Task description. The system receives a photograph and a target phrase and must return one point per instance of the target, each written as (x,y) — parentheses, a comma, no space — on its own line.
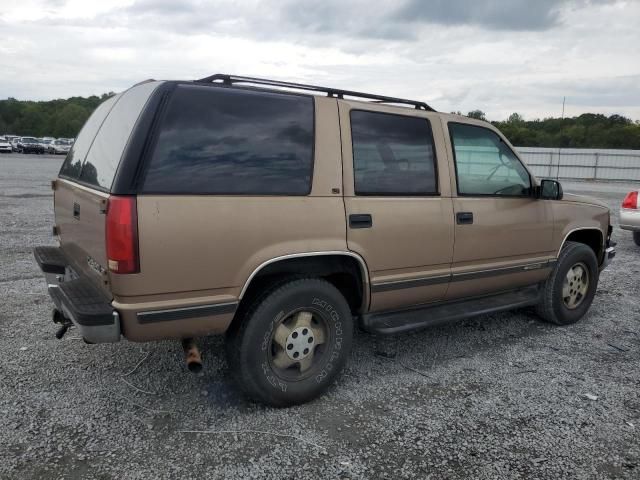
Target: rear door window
(216,140)
(392,154)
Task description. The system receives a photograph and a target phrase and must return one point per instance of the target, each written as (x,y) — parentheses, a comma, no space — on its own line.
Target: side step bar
(387,323)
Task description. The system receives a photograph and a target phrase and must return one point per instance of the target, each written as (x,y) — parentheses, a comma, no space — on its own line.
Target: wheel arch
(346,270)
(590,236)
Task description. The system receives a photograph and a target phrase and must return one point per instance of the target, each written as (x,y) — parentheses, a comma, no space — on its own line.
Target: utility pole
(560,146)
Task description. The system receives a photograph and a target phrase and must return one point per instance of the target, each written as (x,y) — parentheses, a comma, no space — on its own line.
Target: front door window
(485,165)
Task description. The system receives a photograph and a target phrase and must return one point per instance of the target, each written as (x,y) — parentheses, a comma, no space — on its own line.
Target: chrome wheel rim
(575,286)
(297,344)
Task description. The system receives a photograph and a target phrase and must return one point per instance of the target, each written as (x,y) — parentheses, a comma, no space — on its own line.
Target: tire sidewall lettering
(266,339)
(337,341)
(273,381)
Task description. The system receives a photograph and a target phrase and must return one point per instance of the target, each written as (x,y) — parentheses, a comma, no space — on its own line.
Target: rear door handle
(464,218)
(360,220)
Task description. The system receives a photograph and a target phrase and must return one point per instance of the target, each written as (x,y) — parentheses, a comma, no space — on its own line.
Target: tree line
(53,118)
(589,130)
(64,118)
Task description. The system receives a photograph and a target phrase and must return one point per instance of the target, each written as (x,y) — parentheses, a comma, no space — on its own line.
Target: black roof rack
(331,92)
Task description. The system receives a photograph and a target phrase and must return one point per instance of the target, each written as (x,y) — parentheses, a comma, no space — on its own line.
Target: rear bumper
(630,219)
(78,298)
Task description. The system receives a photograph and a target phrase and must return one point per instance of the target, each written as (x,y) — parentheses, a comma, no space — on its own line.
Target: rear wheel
(292,342)
(570,289)
(636,238)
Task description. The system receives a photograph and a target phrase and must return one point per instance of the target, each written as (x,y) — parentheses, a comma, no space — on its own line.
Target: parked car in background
(58,147)
(30,145)
(10,136)
(46,141)
(14,144)
(318,213)
(5,145)
(630,215)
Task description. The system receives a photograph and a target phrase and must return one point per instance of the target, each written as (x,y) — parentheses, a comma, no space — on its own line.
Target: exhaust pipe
(58,317)
(192,355)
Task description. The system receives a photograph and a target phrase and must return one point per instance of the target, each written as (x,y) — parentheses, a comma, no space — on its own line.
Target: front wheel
(292,342)
(568,292)
(636,238)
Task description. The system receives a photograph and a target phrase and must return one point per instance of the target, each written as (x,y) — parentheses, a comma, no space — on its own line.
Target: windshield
(29,140)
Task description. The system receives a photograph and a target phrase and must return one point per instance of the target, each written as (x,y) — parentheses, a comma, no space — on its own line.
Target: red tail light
(122,235)
(630,201)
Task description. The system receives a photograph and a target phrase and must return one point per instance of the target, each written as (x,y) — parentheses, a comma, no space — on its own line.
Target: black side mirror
(550,190)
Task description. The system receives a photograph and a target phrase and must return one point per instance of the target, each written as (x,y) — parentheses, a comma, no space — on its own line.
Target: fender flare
(602,238)
(364,270)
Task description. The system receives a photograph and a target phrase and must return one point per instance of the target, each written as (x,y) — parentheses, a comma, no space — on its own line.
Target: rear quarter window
(106,151)
(97,151)
(72,166)
(215,140)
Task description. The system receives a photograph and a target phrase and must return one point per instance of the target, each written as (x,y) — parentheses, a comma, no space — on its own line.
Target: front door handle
(360,220)
(464,218)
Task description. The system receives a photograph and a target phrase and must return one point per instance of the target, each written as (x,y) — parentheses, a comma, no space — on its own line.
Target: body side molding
(460,277)
(152,316)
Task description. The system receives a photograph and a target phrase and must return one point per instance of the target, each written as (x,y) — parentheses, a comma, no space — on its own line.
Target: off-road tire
(249,343)
(552,307)
(636,238)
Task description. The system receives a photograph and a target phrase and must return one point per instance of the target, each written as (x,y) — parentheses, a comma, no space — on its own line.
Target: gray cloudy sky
(499,56)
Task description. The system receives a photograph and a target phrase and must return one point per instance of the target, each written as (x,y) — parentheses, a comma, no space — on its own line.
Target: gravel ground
(501,396)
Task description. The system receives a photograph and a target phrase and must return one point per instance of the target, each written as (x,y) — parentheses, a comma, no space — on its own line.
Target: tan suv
(283,214)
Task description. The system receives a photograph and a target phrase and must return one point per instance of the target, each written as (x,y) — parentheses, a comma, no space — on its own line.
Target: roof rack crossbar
(331,92)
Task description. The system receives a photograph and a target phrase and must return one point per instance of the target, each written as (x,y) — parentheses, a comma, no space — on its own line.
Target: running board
(387,323)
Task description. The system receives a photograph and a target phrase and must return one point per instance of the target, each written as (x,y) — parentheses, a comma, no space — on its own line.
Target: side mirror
(550,190)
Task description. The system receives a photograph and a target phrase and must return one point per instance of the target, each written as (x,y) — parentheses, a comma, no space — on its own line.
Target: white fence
(582,163)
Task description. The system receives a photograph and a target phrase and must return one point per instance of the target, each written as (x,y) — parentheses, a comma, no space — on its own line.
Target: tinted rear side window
(392,154)
(72,165)
(227,141)
(106,151)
